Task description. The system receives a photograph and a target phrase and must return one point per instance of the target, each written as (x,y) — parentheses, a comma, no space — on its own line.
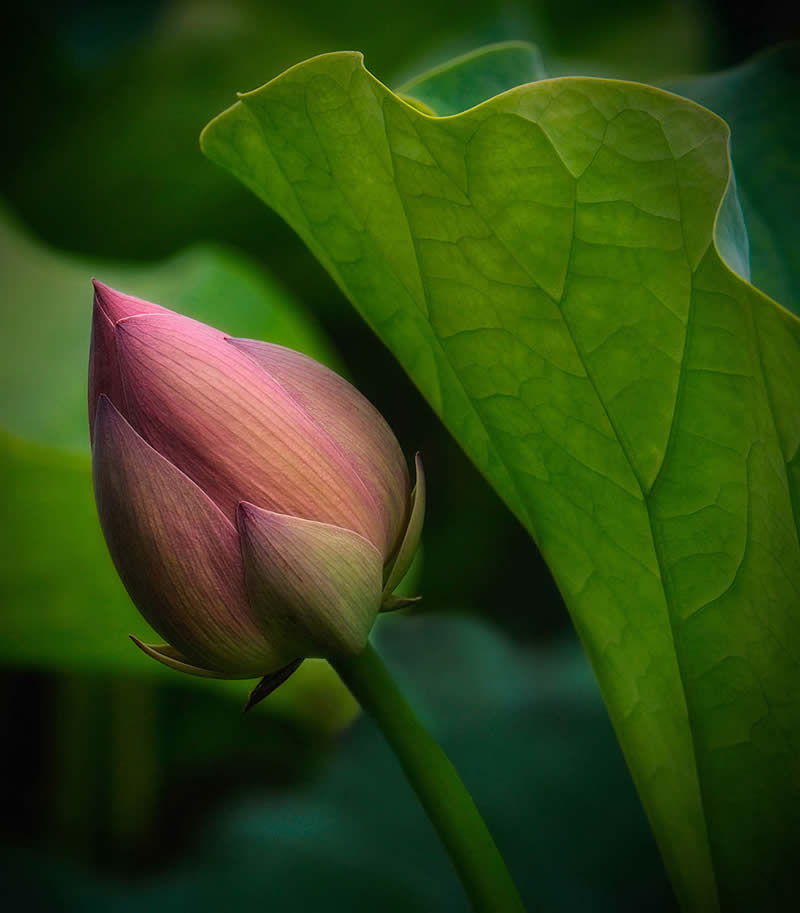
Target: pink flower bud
(256,506)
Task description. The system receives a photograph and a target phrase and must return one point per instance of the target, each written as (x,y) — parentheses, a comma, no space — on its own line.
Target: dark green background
(128,794)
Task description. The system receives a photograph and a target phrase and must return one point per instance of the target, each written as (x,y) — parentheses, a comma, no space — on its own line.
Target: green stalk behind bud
(444,797)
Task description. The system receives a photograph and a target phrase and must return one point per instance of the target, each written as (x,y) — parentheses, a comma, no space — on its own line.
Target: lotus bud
(256,506)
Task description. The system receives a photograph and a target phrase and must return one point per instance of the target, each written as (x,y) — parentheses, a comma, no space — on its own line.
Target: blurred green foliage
(136,102)
(533,745)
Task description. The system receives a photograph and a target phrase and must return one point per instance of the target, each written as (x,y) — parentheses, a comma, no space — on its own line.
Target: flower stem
(444,797)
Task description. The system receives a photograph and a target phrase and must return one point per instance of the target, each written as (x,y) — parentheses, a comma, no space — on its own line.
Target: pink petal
(176,553)
(233,429)
(350,420)
(104,376)
(117,305)
(315,585)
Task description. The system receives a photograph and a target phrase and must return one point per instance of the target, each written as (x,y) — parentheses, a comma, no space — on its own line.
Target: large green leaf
(63,606)
(545,268)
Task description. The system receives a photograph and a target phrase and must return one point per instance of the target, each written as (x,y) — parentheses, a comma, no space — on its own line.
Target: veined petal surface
(117,305)
(314,585)
(232,429)
(104,375)
(176,553)
(350,419)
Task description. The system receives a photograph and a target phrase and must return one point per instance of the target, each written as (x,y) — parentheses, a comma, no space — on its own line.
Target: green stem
(435,781)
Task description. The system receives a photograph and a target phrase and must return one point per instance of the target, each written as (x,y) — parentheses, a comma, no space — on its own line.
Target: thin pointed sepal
(169,656)
(393,603)
(269,683)
(408,546)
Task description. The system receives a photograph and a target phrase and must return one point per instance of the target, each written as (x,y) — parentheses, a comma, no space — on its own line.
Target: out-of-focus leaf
(127,178)
(545,266)
(120,90)
(760,100)
(476,77)
(642,42)
(557,798)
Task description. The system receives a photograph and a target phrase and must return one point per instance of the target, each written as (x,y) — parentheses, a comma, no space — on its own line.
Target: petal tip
(107,418)
(104,298)
(104,411)
(246,513)
(116,305)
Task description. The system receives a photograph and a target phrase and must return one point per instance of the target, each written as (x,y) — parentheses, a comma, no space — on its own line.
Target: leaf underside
(544,266)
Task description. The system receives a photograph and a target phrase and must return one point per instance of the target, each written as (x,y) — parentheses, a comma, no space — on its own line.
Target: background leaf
(760,100)
(476,77)
(328,844)
(544,267)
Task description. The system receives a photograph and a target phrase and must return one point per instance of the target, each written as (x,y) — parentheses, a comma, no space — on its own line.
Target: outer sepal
(174,659)
(410,542)
(393,603)
(316,588)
